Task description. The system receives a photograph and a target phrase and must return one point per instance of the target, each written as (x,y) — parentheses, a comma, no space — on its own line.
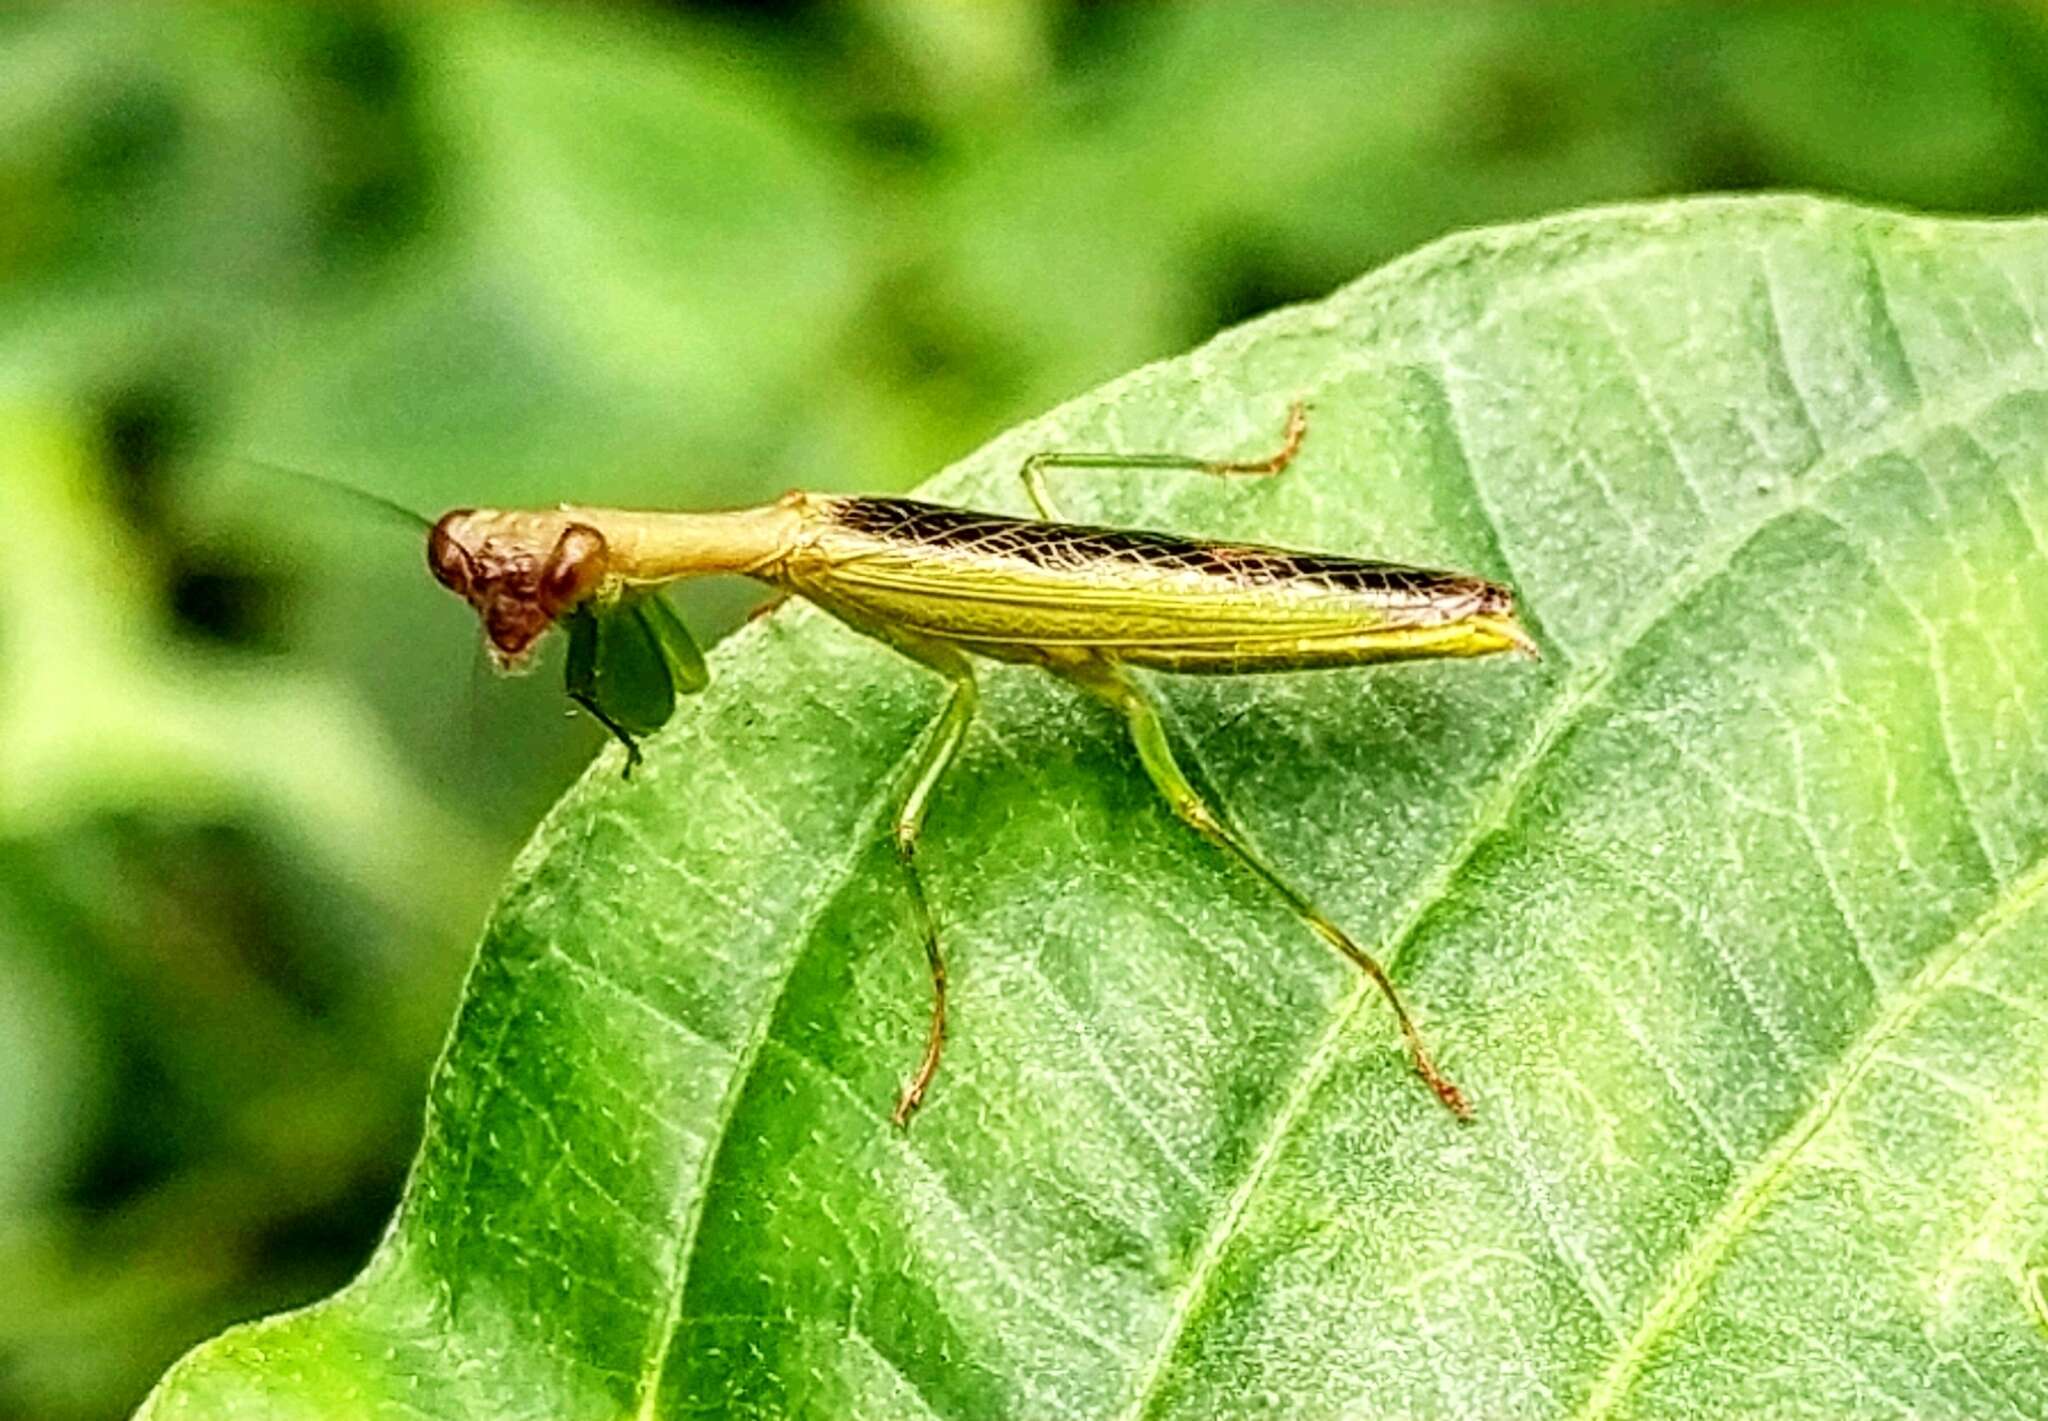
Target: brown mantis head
(629,654)
(522,572)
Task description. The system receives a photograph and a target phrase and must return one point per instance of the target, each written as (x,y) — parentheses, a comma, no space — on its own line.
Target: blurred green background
(253,801)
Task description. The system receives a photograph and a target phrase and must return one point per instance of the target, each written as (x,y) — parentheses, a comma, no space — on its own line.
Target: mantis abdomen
(1022,590)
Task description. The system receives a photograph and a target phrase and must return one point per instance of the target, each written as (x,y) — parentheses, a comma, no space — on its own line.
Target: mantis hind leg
(1033,472)
(1108,681)
(940,747)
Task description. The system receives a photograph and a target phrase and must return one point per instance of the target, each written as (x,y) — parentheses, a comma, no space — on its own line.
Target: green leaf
(1729,916)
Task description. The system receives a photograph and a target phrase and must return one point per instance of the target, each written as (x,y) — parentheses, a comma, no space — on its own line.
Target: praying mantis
(946,586)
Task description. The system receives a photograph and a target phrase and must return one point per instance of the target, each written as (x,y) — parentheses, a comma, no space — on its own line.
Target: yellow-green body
(943,585)
(1018,589)
(1024,590)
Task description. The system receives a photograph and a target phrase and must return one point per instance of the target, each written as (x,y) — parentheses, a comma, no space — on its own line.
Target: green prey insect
(945,585)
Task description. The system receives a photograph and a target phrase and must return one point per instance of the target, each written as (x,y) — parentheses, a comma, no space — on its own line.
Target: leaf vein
(942,1192)
(1943,715)
(1780,350)
(1578,1266)
(1645,1044)
(1688,1278)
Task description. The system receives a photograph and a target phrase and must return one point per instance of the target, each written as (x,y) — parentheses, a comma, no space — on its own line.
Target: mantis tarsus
(944,585)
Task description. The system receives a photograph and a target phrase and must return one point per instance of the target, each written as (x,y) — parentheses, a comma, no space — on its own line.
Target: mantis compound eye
(574,569)
(447,559)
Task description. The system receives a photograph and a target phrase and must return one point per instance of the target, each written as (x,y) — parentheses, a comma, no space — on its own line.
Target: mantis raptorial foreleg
(936,752)
(1033,471)
(581,681)
(1104,678)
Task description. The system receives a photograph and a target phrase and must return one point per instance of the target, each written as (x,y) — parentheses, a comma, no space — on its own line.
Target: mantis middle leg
(1110,682)
(939,747)
(1033,472)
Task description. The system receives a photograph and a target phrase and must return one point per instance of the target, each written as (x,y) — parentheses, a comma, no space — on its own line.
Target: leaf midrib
(1576,696)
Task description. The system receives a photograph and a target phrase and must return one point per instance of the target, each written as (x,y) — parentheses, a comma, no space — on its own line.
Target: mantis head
(522,572)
